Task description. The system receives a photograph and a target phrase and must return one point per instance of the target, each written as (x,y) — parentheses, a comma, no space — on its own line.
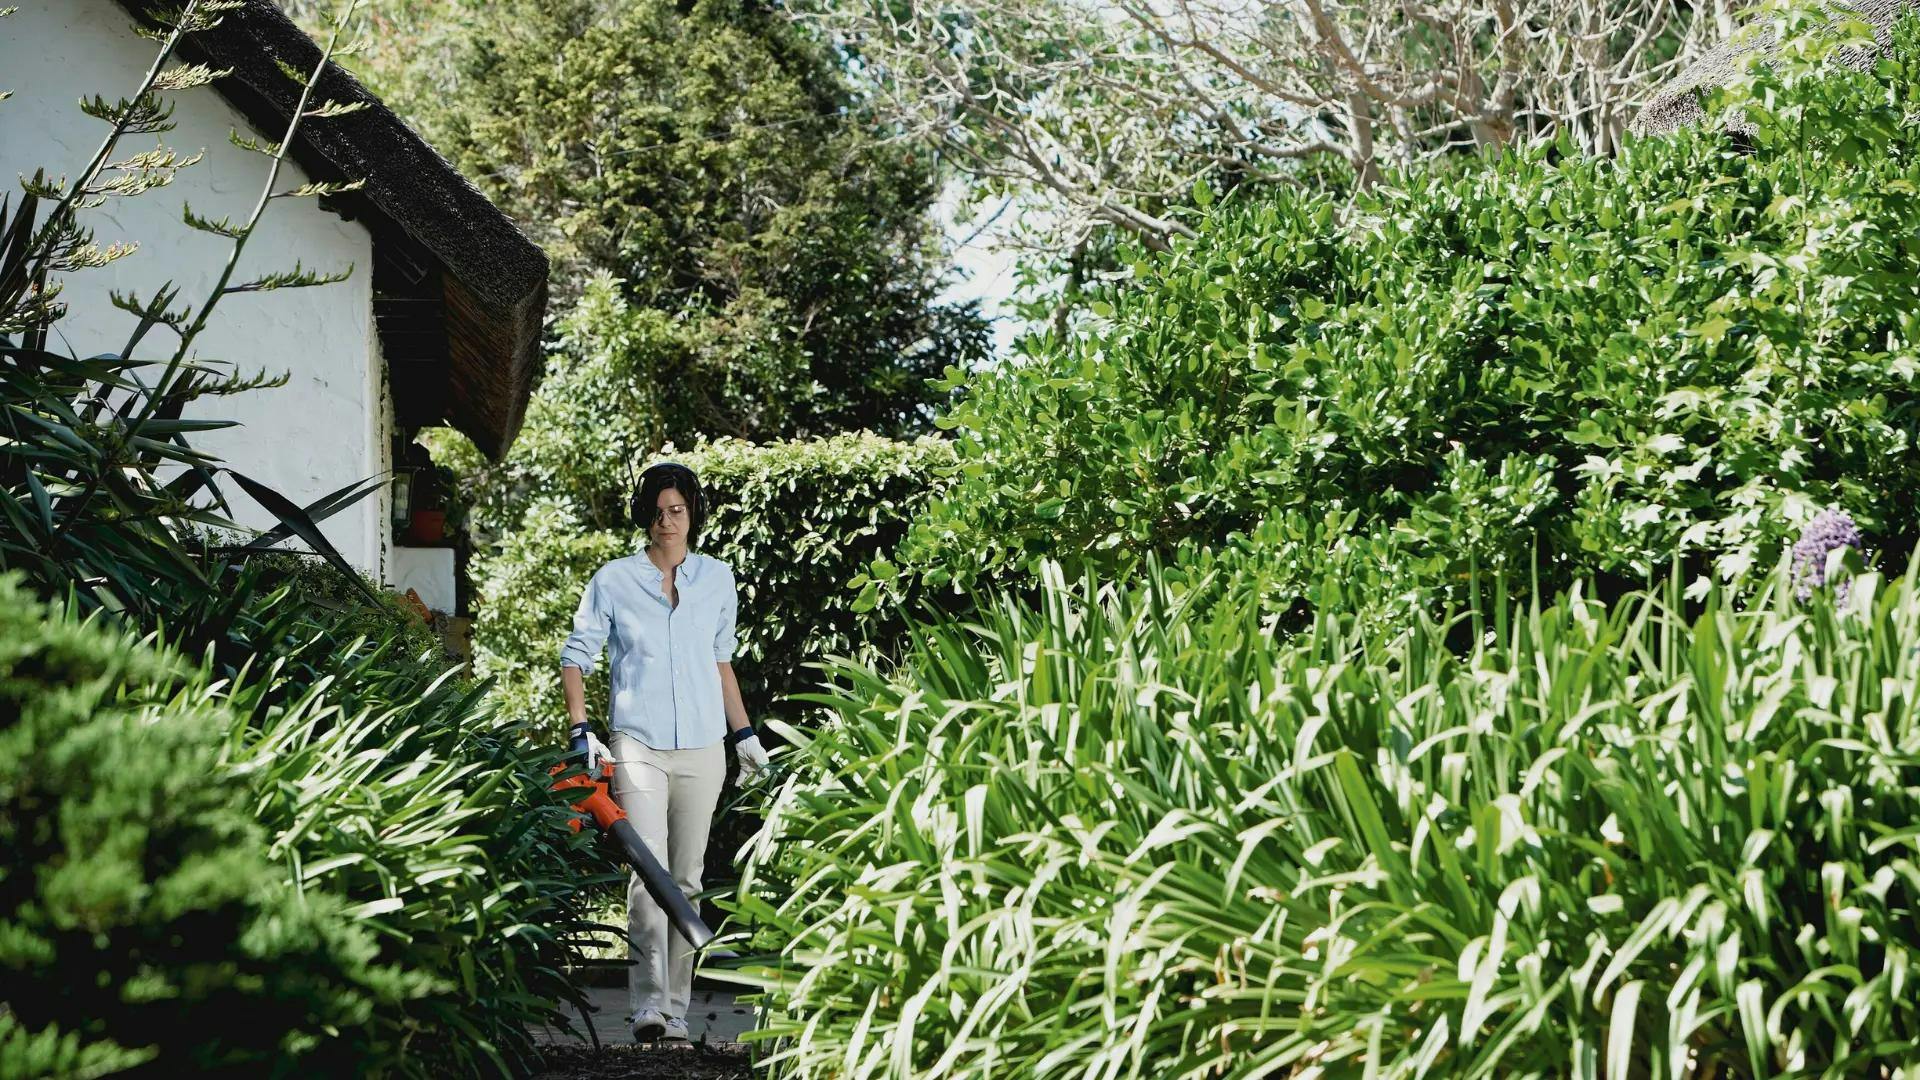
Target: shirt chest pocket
(684,633)
(694,624)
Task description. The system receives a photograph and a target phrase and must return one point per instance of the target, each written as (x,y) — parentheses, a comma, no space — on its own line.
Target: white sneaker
(647,1025)
(676,1031)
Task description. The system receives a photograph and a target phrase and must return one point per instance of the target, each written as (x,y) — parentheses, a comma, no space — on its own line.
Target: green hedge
(1541,364)
(1110,836)
(796,520)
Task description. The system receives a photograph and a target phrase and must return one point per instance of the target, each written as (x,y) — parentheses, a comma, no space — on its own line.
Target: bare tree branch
(1115,108)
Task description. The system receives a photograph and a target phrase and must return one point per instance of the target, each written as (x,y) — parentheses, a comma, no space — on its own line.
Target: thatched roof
(1678,103)
(460,291)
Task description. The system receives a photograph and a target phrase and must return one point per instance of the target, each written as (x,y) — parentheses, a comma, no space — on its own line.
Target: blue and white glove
(584,742)
(753,756)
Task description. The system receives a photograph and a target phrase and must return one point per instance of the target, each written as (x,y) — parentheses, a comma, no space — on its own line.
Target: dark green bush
(1545,363)
(26,1054)
(796,520)
(140,907)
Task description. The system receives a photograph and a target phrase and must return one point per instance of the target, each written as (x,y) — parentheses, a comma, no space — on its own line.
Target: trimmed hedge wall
(797,521)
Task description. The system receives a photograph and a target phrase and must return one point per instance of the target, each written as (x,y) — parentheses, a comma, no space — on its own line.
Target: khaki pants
(669,795)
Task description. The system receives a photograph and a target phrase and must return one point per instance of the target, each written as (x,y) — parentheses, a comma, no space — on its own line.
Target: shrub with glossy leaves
(1546,364)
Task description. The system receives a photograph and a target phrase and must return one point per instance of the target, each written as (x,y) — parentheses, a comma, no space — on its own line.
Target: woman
(666,615)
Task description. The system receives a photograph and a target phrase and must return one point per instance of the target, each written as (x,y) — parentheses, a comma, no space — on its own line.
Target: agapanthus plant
(1829,531)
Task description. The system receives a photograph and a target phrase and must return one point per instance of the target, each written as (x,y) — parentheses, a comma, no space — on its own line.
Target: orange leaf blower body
(613,823)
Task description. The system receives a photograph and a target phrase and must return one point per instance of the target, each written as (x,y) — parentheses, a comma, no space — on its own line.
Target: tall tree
(766,251)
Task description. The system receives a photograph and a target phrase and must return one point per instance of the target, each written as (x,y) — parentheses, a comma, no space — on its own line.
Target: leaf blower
(605,813)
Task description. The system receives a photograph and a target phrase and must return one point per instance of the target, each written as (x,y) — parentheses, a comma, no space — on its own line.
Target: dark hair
(644,510)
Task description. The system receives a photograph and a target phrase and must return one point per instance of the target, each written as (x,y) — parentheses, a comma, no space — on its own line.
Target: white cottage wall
(329,424)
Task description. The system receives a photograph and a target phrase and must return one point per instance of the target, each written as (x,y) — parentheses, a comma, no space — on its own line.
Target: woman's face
(670,527)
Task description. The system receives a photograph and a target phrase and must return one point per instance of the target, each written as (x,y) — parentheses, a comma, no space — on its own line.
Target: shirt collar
(689,568)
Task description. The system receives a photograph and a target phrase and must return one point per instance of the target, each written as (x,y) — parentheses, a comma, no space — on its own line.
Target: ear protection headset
(699,491)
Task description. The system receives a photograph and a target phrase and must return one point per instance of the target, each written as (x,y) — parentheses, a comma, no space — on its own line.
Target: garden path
(714,1020)
(712,1017)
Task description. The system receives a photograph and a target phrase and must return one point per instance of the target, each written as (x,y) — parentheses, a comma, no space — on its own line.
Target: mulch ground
(646,1063)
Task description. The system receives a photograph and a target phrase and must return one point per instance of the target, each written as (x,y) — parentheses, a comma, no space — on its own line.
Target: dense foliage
(280,841)
(391,780)
(143,911)
(1235,798)
(771,252)
(1108,835)
(1550,364)
(336,840)
(796,521)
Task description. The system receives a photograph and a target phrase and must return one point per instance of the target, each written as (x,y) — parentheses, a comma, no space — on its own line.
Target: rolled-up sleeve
(590,624)
(724,641)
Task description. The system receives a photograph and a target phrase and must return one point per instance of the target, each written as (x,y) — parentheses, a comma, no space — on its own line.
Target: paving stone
(712,1017)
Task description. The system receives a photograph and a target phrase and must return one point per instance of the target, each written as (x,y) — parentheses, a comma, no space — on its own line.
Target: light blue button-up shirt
(663,659)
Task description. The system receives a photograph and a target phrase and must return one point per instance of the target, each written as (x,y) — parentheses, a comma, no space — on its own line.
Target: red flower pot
(427,526)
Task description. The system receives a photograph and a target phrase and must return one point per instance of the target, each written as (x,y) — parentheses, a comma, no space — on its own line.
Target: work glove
(753,756)
(585,743)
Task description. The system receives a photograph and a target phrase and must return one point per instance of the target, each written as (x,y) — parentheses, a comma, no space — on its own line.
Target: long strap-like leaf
(321,509)
(297,520)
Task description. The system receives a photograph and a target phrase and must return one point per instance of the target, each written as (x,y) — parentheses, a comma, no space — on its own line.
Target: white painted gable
(329,425)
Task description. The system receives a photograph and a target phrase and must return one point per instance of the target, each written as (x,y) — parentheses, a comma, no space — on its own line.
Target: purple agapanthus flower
(1829,531)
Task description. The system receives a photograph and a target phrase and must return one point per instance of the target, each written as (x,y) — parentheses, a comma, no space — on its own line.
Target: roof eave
(496,277)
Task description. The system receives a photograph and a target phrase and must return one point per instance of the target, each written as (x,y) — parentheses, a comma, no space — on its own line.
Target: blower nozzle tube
(660,884)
